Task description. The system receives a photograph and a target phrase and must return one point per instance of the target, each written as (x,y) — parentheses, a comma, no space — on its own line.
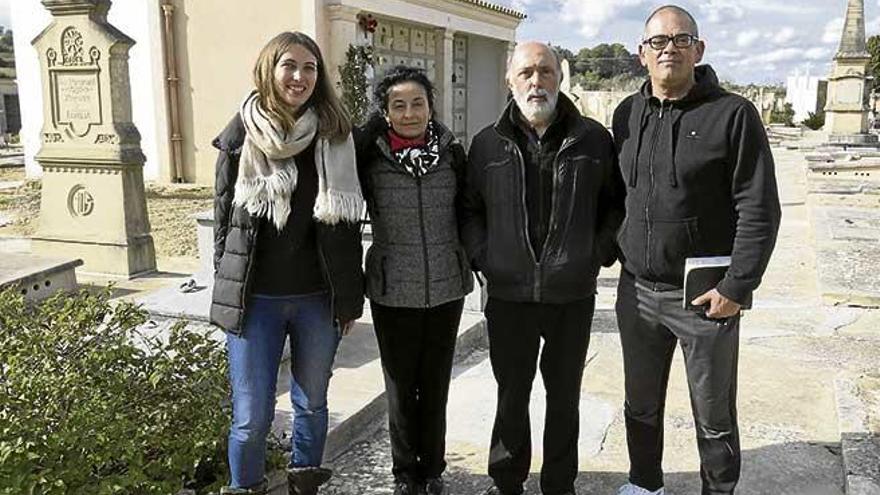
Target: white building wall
(485,63)
(28,20)
(141,21)
(802,91)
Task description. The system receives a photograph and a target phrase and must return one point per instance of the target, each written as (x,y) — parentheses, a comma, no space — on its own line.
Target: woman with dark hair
(417,273)
(287,256)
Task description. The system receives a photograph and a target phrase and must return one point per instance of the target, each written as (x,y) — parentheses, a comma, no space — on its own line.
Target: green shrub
(91,403)
(784,116)
(814,121)
(353,81)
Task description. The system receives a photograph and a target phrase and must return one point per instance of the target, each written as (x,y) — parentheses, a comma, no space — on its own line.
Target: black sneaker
(435,486)
(402,487)
(494,490)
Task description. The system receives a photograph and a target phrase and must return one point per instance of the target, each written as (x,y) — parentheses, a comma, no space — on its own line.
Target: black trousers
(515,332)
(651,323)
(417,346)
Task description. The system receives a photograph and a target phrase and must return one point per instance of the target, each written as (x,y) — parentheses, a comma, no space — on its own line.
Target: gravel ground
(170,209)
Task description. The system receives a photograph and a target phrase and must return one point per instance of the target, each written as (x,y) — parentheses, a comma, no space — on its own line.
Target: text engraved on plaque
(78,101)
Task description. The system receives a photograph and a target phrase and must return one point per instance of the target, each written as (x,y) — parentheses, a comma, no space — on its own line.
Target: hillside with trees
(604,67)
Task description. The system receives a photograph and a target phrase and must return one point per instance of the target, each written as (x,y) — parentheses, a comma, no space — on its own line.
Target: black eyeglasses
(681,40)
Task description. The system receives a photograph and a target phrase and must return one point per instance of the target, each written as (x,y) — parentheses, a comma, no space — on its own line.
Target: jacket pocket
(671,241)
(377,284)
(464,270)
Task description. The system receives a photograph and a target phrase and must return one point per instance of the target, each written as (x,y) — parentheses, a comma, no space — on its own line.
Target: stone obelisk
(93,205)
(846,117)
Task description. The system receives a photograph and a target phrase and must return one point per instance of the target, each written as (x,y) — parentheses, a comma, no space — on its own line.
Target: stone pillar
(343,32)
(846,118)
(445,69)
(93,205)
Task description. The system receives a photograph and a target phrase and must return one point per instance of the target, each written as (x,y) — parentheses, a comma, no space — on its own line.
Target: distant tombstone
(93,205)
(565,87)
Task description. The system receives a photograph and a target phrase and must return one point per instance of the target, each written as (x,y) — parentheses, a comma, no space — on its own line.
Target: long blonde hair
(333,119)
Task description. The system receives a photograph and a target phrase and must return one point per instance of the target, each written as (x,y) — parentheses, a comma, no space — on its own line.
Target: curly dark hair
(401,74)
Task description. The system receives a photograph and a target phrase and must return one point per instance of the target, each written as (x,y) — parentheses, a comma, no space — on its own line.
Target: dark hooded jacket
(586,210)
(235,247)
(700,182)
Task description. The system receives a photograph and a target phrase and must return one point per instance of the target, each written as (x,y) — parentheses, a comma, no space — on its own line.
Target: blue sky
(747,40)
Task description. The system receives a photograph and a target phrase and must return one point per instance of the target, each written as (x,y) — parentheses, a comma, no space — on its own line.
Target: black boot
(260,489)
(306,480)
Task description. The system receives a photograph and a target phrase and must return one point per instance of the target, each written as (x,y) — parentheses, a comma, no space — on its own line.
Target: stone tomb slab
(38,277)
(847,254)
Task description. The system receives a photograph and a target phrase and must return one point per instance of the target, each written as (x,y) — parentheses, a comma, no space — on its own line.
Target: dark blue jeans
(254,357)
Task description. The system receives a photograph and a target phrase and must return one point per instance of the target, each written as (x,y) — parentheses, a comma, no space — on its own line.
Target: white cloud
(784,35)
(592,16)
(818,53)
(747,38)
(833,30)
(717,11)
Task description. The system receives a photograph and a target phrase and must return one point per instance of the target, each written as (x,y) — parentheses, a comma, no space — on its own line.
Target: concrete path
(793,350)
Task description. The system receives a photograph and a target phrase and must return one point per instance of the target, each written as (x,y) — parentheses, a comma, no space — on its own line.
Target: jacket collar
(567,115)
(377,130)
(706,86)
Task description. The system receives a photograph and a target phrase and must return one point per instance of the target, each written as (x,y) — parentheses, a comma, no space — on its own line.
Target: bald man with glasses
(700,183)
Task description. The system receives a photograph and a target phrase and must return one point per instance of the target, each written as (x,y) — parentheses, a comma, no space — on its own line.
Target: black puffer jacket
(235,238)
(587,208)
(701,182)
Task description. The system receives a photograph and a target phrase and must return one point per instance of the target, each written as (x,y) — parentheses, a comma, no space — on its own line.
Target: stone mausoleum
(192,60)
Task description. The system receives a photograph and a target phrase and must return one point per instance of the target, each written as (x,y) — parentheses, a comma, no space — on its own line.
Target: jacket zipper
(247,270)
(424,243)
(654,138)
(332,291)
(536,285)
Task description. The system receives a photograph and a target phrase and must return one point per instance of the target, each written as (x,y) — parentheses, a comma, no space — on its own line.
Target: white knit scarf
(267,172)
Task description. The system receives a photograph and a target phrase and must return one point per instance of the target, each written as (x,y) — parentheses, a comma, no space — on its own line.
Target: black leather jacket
(587,208)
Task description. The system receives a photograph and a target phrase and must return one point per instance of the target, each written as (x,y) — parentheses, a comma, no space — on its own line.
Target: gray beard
(536,113)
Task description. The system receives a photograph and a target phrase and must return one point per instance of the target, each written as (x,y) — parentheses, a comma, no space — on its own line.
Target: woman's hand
(346,327)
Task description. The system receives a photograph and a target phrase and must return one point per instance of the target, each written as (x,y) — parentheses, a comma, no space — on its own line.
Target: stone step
(37,277)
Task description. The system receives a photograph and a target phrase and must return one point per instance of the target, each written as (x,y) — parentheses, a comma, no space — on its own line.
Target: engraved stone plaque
(458,123)
(418,41)
(459,72)
(459,101)
(401,39)
(77,101)
(460,49)
(849,92)
(384,35)
(430,43)
(75,87)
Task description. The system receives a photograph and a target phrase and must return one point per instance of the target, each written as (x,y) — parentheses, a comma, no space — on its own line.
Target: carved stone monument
(93,204)
(847,109)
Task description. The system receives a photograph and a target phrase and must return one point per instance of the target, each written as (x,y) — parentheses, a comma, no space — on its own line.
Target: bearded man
(542,200)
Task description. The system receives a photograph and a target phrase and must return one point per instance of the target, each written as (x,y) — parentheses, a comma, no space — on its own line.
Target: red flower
(367,22)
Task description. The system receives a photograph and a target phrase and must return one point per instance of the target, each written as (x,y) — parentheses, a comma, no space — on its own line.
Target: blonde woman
(287,255)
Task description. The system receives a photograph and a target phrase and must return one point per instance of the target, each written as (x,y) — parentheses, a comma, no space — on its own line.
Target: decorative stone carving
(93,205)
(79,202)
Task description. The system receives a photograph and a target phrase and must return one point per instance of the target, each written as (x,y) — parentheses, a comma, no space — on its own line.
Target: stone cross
(93,205)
